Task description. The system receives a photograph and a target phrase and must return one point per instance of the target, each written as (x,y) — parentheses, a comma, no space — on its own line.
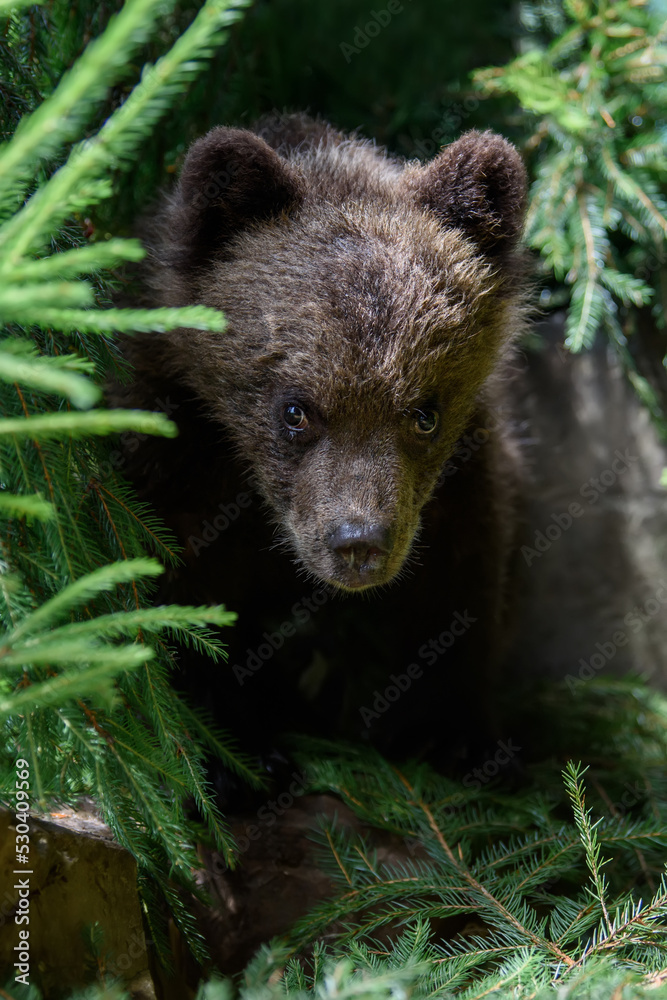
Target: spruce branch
(85,690)
(513,886)
(180,621)
(628,187)
(106,321)
(141,516)
(598,207)
(79,592)
(19,304)
(60,117)
(54,651)
(30,507)
(20,362)
(491,904)
(102,667)
(82,425)
(77,261)
(219,743)
(118,139)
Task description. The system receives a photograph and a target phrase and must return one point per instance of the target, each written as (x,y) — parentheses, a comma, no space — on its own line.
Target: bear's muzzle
(362,551)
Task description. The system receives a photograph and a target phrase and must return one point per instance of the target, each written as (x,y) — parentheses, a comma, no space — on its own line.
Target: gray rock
(593,586)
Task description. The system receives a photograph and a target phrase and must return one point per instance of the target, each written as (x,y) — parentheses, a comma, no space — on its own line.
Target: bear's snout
(362,548)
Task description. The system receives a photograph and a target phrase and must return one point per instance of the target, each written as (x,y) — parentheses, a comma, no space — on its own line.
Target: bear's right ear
(230,179)
(477,184)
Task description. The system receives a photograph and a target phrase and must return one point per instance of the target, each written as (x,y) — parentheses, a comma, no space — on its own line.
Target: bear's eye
(294,417)
(425,421)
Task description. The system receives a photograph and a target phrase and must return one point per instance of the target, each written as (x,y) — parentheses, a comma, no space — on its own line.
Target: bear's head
(368,302)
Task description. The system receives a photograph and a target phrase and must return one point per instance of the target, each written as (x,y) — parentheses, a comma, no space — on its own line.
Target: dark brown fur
(362,290)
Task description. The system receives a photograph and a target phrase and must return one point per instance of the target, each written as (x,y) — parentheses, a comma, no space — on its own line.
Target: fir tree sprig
(596,97)
(7,6)
(85,658)
(20,362)
(530,882)
(412,966)
(59,119)
(572,776)
(77,184)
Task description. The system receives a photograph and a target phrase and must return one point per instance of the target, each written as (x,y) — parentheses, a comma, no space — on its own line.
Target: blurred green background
(407,79)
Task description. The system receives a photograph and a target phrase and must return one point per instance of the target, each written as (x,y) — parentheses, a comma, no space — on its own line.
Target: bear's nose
(362,546)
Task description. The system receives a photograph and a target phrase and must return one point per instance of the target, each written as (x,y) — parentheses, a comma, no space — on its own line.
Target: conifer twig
(477,887)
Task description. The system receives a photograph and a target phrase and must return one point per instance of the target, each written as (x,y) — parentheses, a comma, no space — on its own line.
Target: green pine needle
(19,362)
(82,425)
(29,507)
(85,657)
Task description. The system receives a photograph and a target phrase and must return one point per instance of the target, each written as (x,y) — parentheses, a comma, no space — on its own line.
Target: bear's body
(345,474)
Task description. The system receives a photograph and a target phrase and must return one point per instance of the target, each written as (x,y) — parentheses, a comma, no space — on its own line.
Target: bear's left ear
(477,184)
(230,179)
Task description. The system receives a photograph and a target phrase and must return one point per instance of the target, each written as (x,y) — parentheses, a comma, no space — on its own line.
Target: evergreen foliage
(553,888)
(595,99)
(85,692)
(506,893)
(534,876)
(415,968)
(507,890)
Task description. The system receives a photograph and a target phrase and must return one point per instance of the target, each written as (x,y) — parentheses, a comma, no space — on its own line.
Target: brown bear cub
(345,474)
